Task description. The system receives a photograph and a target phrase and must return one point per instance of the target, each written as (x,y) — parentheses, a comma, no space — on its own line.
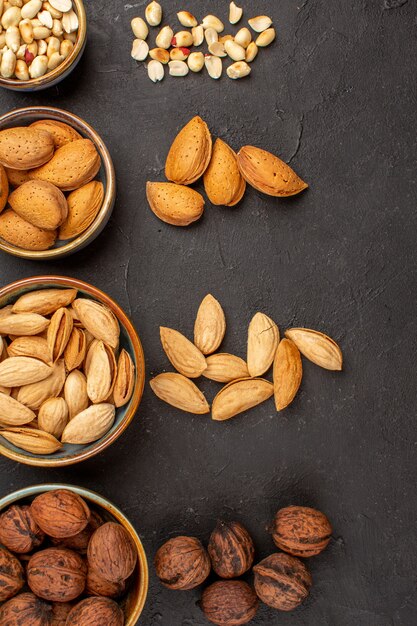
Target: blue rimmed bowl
(129,340)
(136,598)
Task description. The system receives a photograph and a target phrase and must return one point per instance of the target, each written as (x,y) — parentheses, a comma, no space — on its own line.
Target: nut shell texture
(26,610)
(19,531)
(282,581)
(301,531)
(229,603)
(60,513)
(11,575)
(111,552)
(231,550)
(182,563)
(96,612)
(190,153)
(57,575)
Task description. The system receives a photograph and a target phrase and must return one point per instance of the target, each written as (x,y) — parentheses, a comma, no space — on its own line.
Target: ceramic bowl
(136,598)
(129,340)
(24,117)
(62,71)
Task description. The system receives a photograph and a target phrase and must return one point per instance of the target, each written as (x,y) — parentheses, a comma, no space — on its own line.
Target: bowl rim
(50,77)
(103,215)
(76,283)
(33,490)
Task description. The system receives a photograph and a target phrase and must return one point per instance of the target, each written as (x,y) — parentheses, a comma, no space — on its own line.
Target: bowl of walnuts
(68,556)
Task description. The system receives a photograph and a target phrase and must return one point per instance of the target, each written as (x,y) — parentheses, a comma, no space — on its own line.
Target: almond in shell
(23,324)
(101,373)
(263,339)
(184,355)
(32,440)
(83,207)
(23,148)
(14,413)
(16,177)
(4,188)
(317,347)
(75,350)
(53,416)
(59,332)
(62,133)
(240,396)
(224,368)
(35,394)
(175,204)
(125,379)
(267,173)
(223,181)
(75,393)
(40,203)
(22,370)
(44,301)
(90,425)
(288,372)
(73,165)
(179,391)
(22,234)
(36,347)
(209,326)
(99,320)
(190,153)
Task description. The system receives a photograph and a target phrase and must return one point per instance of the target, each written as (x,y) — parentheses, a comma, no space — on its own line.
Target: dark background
(335,97)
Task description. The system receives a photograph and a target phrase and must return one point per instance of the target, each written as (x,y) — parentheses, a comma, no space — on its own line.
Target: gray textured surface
(334,96)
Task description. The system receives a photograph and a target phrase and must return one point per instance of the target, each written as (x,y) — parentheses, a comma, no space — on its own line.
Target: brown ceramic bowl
(136,597)
(62,71)
(70,454)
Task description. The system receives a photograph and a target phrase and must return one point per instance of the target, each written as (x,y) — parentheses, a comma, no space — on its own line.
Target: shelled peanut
(35,37)
(175,49)
(62,375)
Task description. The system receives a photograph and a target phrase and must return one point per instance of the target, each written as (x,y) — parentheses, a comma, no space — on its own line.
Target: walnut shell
(111,552)
(98,586)
(57,575)
(60,612)
(301,531)
(12,576)
(231,550)
(60,513)
(18,530)
(229,603)
(26,610)
(96,612)
(182,563)
(282,581)
(80,541)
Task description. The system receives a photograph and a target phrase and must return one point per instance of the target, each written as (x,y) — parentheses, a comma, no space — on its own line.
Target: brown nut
(11,575)
(282,581)
(26,609)
(80,541)
(229,603)
(57,575)
(231,550)
(96,612)
(97,586)
(182,563)
(111,552)
(60,612)
(301,531)
(18,530)
(60,513)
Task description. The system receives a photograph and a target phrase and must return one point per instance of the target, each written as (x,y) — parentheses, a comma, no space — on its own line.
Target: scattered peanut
(178,68)
(266,38)
(235,52)
(187,19)
(238,70)
(260,23)
(140,50)
(251,52)
(198,35)
(211,21)
(214,66)
(153,14)
(164,37)
(155,71)
(196,61)
(139,28)
(159,54)
(243,37)
(235,13)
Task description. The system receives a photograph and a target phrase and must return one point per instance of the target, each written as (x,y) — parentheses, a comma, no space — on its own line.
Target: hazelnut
(79,542)
(231,550)
(60,513)
(97,586)
(18,530)
(111,552)
(182,563)
(12,577)
(282,581)
(60,612)
(229,603)
(57,575)
(96,612)
(26,609)
(301,531)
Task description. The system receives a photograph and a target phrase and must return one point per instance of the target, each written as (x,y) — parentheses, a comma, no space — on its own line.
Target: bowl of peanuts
(41,42)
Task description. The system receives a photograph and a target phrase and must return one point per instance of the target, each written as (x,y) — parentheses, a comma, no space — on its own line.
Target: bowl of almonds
(69,556)
(71,371)
(41,42)
(57,183)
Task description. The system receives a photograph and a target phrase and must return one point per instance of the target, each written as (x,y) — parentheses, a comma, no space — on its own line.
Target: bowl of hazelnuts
(68,557)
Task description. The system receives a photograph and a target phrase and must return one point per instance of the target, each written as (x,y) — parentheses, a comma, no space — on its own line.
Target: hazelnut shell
(231,550)
(57,575)
(229,603)
(18,530)
(60,513)
(11,575)
(301,531)
(26,610)
(282,581)
(111,552)
(96,612)
(182,563)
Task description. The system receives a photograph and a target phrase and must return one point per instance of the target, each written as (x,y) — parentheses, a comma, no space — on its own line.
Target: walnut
(282,581)
(96,612)
(60,612)
(231,550)
(111,552)
(60,513)
(98,586)
(79,542)
(26,609)
(18,530)
(182,563)
(57,575)
(301,531)
(12,576)
(229,603)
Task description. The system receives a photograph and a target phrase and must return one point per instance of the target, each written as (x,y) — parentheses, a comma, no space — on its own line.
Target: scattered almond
(317,347)
(175,204)
(240,396)
(224,368)
(210,326)
(179,391)
(184,355)
(288,372)
(263,339)
(223,182)
(190,153)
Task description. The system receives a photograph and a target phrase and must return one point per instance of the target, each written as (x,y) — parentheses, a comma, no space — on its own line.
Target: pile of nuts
(175,49)
(43,162)
(61,374)
(244,388)
(282,581)
(36,36)
(192,155)
(65,552)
